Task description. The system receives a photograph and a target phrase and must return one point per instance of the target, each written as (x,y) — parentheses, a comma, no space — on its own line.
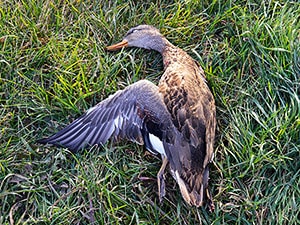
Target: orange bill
(117,46)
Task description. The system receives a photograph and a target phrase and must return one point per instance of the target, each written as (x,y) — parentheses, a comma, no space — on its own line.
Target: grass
(53,67)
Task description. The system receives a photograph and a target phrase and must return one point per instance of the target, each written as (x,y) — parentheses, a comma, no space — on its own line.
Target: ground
(53,67)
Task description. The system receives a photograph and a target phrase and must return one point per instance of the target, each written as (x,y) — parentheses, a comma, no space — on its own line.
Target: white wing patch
(157,144)
(118,122)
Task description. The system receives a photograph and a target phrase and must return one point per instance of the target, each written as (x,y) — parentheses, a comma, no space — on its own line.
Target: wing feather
(126,114)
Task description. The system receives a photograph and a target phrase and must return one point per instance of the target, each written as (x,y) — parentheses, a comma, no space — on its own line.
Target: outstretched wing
(136,113)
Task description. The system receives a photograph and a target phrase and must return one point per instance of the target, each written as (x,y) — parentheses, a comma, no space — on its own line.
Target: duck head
(142,36)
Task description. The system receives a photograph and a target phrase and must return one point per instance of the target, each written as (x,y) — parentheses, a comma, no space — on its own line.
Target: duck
(176,118)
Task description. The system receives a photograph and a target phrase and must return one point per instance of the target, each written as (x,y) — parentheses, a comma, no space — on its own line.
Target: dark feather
(136,111)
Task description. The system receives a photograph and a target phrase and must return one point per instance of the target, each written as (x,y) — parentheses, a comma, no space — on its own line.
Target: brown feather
(192,108)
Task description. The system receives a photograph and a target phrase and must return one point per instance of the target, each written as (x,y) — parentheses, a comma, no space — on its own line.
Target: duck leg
(161,179)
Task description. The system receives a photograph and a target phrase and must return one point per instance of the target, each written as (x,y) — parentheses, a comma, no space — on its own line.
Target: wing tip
(45,141)
(42,141)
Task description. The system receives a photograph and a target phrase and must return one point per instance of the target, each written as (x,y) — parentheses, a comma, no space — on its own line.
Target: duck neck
(157,43)
(170,54)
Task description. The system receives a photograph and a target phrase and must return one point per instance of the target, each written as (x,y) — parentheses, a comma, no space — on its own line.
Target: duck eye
(132,31)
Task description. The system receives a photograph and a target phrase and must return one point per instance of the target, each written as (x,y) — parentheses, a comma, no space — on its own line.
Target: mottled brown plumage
(175,119)
(192,108)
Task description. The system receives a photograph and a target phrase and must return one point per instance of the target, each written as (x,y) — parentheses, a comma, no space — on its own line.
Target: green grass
(53,67)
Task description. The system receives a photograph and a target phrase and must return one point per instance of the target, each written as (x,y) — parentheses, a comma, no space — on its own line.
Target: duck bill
(117,46)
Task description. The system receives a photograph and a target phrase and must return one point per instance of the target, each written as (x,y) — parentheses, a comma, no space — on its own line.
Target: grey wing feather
(119,116)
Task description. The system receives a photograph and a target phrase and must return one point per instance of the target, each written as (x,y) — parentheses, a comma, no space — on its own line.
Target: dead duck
(176,119)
